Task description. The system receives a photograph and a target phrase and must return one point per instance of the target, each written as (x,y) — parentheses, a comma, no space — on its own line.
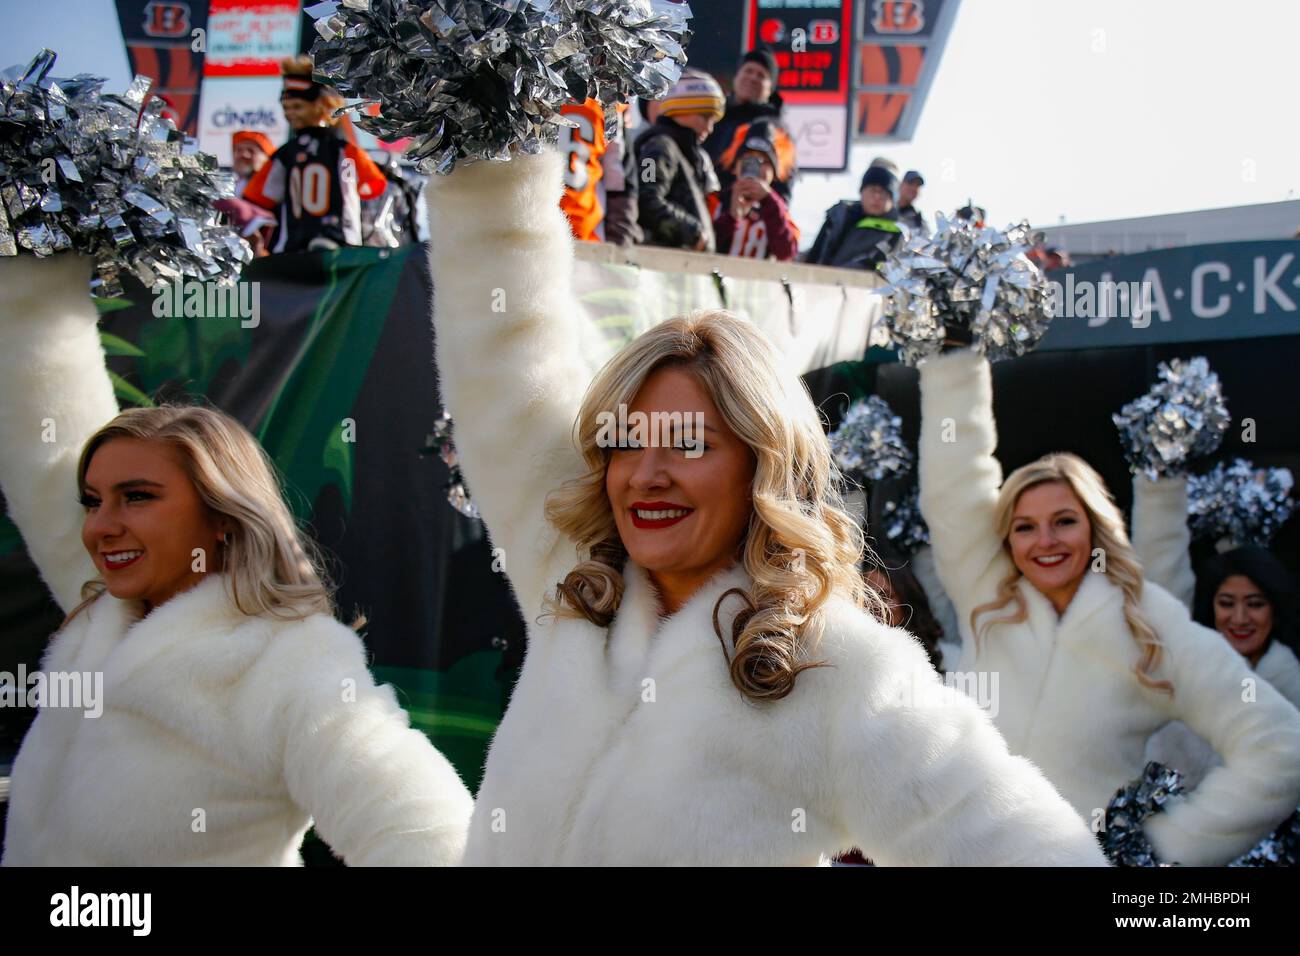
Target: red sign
(250,37)
(812,47)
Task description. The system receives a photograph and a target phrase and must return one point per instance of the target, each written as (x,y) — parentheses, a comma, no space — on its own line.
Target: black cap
(879,176)
(761,138)
(912,176)
(765,58)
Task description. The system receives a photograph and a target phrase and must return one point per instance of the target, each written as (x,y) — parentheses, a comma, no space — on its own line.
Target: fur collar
(121,628)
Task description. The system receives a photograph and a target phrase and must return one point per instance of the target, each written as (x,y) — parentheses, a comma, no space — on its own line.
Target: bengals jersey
(315,183)
(584,152)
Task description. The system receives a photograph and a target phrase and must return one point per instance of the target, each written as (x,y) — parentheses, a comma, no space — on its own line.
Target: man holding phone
(753,220)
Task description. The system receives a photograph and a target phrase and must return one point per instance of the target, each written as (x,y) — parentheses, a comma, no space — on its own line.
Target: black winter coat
(851,239)
(673,185)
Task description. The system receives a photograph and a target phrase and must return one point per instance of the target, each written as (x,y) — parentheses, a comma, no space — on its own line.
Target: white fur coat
(223,736)
(1069,699)
(629,745)
(1161,538)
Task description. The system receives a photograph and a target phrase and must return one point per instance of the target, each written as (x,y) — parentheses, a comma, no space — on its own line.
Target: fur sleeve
(1161,537)
(960,479)
(54,394)
(506,337)
(378,791)
(925,779)
(1249,724)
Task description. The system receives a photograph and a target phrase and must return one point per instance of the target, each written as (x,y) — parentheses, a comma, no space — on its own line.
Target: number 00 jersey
(316,181)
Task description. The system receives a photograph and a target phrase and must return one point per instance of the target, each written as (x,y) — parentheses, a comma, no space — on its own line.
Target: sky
(1046,110)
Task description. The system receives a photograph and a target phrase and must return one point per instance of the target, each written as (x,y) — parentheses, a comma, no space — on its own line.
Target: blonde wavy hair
(1108,534)
(801,546)
(270,566)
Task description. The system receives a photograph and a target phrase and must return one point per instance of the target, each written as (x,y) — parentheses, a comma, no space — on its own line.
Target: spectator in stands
(249,151)
(752,219)
(1055,258)
(753,97)
(676,174)
(972,213)
(908,191)
(598,198)
(859,234)
(315,182)
(621,182)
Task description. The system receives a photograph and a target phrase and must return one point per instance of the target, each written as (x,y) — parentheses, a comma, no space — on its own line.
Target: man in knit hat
(753,97)
(676,175)
(249,151)
(859,234)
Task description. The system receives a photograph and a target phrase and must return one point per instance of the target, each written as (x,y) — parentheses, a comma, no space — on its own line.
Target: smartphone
(751,167)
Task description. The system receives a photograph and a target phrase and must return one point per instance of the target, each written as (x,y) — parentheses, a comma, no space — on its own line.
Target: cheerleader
(704,682)
(1091,658)
(1244,593)
(236,711)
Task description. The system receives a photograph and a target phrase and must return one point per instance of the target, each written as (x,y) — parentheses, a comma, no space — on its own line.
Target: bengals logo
(899,16)
(823,31)
(166,19)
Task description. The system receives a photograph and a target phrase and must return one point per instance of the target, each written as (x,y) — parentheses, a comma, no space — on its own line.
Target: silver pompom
(1123,841)
(472,79)
(901,523)
(440,443)
(107,176)
(966,281)
(1279,848)
(1239,502)
(868,443)
(1183,416)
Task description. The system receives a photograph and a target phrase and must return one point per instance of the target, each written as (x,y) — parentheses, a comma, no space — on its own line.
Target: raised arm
(923,778)
(960,479)
(1161,537)
(54,394)
(378,791)
(507,342)
(1250,726)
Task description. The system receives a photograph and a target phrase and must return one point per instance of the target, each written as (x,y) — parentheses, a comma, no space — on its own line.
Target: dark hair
(1267,573)
(921,622)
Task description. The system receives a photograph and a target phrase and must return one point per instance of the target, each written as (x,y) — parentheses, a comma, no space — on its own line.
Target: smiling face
(1244,615)
(680,516)
(144,518)
(752,84)
(302,114)
(701,123)
(1051,540)
(247,159)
